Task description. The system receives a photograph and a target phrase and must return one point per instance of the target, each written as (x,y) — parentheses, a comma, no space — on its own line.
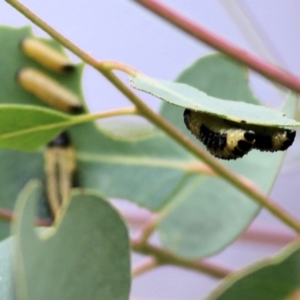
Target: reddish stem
(269,235)
(8,216)
(264,68)
(164,257)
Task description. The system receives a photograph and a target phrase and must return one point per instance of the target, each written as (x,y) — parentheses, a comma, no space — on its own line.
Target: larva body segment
(220,138)
(274,139)
(49,90)
(46,55)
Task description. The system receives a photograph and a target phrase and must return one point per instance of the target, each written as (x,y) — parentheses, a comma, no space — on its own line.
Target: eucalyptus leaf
(145,170)
(24,127)
(85,256)
(227,75)
(276,278)
(186,96)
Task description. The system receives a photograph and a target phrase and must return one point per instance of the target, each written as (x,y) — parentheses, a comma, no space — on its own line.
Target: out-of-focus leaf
(85,256)
(24,127)
(276,278)
(145,170)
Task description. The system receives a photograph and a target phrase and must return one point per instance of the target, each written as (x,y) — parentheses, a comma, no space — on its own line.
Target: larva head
(186,115)
(62,141)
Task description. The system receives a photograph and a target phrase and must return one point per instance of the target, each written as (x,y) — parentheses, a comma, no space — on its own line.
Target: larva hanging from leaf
(230,140)
(60,166)
(49,90)
(46,55)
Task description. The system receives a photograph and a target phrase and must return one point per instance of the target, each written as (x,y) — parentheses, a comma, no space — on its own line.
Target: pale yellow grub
(49,90)
(46,55)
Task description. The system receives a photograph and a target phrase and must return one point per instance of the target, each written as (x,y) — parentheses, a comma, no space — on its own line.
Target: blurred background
(126,32)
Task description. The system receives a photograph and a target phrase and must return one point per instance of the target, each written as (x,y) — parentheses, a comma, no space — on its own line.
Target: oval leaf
(85,257)
(275,278)
(26,127)
(189,97)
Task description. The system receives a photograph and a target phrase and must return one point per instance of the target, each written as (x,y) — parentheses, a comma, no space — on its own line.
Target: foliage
(85,252)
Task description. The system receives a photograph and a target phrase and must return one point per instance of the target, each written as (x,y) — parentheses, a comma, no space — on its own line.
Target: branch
(266,69)
(145,266)
(8,216)
(164,257)
(268,235)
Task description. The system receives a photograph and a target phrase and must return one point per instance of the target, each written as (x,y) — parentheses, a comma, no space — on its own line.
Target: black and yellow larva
(60,167)
(230,140)
(46,55)
(49,90)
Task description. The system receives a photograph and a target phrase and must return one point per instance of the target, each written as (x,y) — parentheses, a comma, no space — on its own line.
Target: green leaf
(16,169)
(5,270)
(145,170)
(27,128)
(85,256)
(200,220)
(186,96)
(225,75)
(275,278)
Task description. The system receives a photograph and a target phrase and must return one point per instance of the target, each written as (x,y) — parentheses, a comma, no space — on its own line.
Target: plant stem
(144,267)
(8,216)
(164,257)
(199,32)
(105,69)
(268,235)
(106,114)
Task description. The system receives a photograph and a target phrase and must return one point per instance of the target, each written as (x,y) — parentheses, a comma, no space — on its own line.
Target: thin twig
(268,235)
(149,264)
(167,258)
(199,32)
(8,216)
